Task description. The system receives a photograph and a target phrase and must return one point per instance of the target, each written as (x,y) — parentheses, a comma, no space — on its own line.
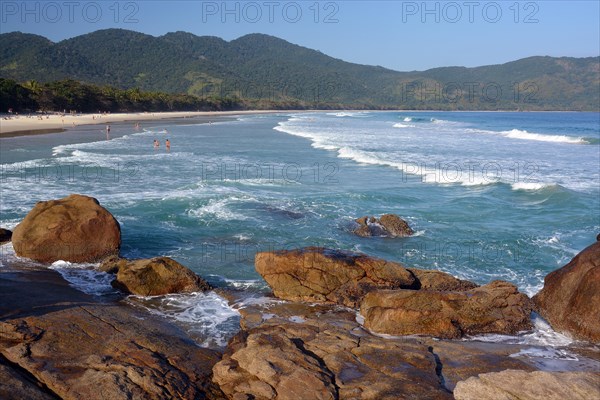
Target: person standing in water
(168,145)
(156,144)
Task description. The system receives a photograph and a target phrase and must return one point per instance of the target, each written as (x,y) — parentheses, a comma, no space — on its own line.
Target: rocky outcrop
(497,307)
(389,225)
(339,358)
(153,277)
(72,346)
(5,235)
(75,228)
(571,295)
(324,275)
(319,352)
(535,385)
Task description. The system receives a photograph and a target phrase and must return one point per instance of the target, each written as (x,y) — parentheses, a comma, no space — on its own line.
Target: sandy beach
(24,125)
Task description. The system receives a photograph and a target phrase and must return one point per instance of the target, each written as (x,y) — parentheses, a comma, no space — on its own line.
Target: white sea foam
(85,277)
(401,125)
(205,316)
(219,208)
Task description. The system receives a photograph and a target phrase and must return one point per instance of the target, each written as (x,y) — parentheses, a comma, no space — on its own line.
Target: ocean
(490,195)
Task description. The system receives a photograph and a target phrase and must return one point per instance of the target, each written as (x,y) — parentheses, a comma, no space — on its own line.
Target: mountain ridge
(264,67)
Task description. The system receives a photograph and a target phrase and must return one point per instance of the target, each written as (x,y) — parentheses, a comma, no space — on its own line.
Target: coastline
(25,126)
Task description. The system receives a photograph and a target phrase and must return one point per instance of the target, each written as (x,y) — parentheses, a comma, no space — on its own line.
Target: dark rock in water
(153,277)
(285,213)
(5,235)
(324,275)
(511,384)
(598,238)
(497,307)
(389,225)
(75,228)
(570,298)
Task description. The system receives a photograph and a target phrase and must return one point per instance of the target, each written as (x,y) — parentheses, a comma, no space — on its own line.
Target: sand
(23,125)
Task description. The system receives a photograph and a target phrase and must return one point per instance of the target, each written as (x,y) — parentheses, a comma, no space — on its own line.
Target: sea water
(509,196)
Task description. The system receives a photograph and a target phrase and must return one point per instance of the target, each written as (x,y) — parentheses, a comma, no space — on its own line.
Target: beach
(22,125)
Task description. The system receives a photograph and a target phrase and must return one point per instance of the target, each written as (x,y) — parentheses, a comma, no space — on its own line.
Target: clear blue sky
(401,35)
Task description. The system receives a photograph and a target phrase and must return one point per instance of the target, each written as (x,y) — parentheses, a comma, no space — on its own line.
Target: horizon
(296,44)
(401,36)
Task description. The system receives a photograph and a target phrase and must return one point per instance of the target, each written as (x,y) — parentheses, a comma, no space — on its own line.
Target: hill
(268,69)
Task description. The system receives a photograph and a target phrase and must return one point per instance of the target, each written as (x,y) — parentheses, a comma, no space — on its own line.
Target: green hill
(267,69)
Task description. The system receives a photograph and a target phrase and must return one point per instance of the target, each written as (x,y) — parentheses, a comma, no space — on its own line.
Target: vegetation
(180,70)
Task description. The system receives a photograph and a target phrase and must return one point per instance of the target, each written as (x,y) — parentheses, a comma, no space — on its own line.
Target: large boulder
(75,228)
(5,235)
(570,298)
(323,275)
(389,225)
(497,307)
(522,385)
(154,276)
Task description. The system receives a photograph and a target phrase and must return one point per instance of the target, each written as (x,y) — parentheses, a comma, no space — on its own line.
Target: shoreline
(26,126)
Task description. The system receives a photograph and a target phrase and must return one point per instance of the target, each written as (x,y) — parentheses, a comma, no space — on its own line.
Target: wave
(532,185)
(524,135)
(401,125)
(342,114)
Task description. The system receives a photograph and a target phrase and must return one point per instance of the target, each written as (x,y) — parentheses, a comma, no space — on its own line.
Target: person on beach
(168,144)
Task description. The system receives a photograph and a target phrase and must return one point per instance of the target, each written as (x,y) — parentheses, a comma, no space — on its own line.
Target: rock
(75,228)
(15,385)
(571,295)
(112,264)
(155,276)
(323,275)
(85,348)
(511,384)
(389,225)
(439,281)
(5,235)
(497,307)
(323,354)
(363,366)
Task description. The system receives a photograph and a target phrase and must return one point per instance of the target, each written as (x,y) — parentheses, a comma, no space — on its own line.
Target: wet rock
(389,225)
(511,384)
(154,276)
(570,297)
(324,275)
(75,228)
(497,307)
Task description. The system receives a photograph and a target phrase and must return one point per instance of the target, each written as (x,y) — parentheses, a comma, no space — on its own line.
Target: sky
(400,35)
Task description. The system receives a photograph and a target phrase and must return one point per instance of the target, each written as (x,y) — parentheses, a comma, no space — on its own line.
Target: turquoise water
(508,196)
